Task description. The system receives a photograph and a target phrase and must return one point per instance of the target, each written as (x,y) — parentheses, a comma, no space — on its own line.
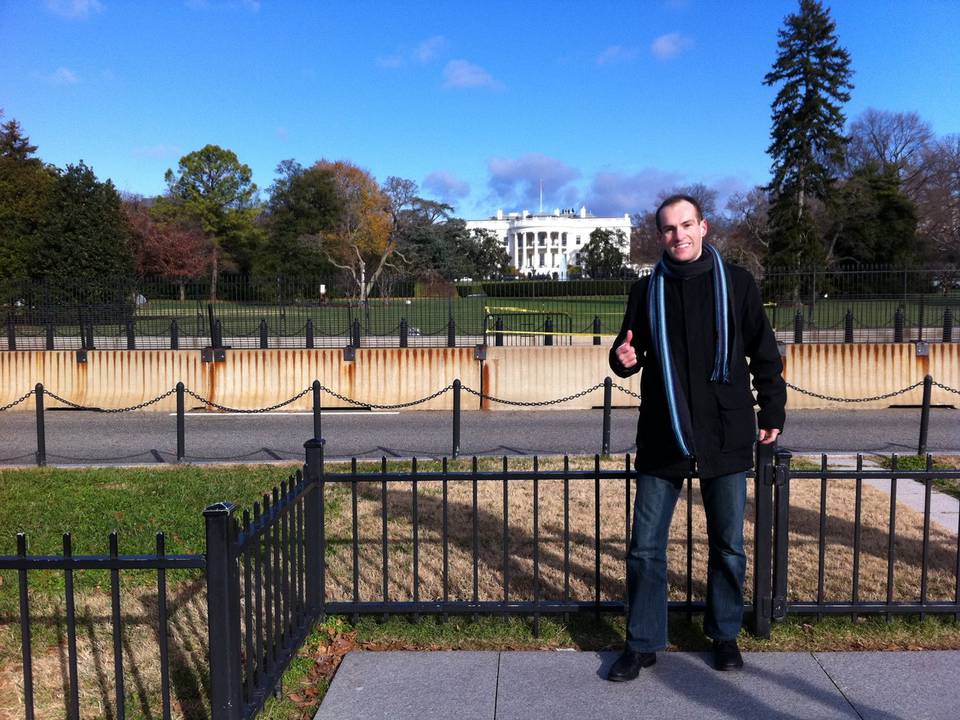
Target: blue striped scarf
(676,400)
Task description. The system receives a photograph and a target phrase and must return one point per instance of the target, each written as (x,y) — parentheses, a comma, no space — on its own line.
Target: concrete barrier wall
(258,378)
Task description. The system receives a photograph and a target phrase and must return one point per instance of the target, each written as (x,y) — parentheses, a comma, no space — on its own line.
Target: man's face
(681,232)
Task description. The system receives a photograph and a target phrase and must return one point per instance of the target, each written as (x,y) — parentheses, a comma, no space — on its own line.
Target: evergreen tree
(813,74)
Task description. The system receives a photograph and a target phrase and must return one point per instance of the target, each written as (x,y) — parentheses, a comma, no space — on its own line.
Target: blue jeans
(723,500)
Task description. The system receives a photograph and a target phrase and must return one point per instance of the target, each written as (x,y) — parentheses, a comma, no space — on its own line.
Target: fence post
(898,325)
(925,415)
(181,434)
(41,430)
(355,333)
(948,325)
(596,329)
(920,316)
(50,332)
(456,417)
(131,336)
(763,527)
(11,335)
(217,333)
(264,337)
(781,531)
(89,344)
(223,613)
(607,401)
(213,329)
(451,333)
(848,327)
(309,333)
(798,328)
(317,409)
(548,331)
(498,336)
(313,522)
(404,332)
(174,335)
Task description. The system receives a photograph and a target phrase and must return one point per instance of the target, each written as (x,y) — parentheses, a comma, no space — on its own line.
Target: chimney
(583,211)
(500,214)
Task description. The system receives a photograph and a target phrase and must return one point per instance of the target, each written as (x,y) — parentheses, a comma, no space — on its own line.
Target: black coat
(722,415)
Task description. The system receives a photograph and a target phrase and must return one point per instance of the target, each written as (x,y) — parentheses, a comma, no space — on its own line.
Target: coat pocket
(738,423)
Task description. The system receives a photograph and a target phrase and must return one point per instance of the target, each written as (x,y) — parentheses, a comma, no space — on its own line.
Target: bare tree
(891,140)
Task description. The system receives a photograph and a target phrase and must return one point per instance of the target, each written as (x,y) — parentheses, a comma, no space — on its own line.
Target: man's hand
(625,352)
(768,437)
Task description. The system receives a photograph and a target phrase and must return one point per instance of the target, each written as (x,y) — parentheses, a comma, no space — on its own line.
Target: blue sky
(607,102)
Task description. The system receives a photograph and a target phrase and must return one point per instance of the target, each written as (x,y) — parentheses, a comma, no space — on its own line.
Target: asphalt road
(86,438)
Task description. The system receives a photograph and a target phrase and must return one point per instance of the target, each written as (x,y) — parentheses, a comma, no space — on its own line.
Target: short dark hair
(673,200)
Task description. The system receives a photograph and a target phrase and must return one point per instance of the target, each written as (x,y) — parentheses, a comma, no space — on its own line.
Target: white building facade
(544,244)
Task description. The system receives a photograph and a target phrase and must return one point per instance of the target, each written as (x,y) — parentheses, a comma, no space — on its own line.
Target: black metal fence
(872,304)
(271,573)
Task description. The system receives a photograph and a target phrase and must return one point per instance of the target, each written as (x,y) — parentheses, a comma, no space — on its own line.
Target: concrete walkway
(563,685)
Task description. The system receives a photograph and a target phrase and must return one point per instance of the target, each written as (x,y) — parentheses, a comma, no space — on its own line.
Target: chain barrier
(532,403)
(17,401)
(397,406)
(945,387)
(246,411)
(885,396)
(627,391)
(139,406)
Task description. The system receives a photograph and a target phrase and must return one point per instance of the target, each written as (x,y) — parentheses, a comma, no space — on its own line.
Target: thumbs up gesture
(626,353)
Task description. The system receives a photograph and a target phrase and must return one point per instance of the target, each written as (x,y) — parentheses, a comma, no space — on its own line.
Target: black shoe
(726,655)
(628,665)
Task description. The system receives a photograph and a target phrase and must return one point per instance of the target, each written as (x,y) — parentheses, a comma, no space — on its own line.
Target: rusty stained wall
(866,370)
(257,378)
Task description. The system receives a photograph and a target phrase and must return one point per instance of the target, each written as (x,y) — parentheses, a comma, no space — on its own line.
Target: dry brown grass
(803,558)
(187,630)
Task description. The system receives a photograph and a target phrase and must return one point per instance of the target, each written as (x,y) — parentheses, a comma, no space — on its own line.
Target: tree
(937,198)
(487,254)
(891,140)
(747,239)
(26,185)
(85,238)
(303,204)
(359,240)
(176,250)
(602,256)
(807,142)
(213,188)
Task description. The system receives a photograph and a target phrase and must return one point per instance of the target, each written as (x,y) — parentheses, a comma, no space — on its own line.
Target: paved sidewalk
(570,685)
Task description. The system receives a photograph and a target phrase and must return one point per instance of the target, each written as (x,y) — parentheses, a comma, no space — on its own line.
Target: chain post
(404,333)
(313,522)
(309,339)
(762,547)
(41,430)
(264,335)
(607,402)
(223,613)
(50,336)
(798,328)
(925,415)
(181,434)
(848,327)
(174,335)
(781,531)
(898,325)
(451,332)
(11,335)
(948,325)
(456,417)
(596,329)
(317,409)
(548,331)
(498,328)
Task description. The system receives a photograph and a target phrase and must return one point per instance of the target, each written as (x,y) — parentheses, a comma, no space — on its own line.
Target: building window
(578,239)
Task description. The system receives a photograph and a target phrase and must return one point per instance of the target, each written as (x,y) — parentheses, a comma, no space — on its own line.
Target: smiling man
(697,328)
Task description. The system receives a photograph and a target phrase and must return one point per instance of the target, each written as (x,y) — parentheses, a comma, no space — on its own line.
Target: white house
(544,244)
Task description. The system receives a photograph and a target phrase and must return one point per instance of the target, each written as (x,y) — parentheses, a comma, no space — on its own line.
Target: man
(696,326)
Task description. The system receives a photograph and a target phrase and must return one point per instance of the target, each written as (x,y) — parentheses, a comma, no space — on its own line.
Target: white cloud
(60,77)
(429,49)
(515,182)
(670,45)
(74,9)
(464,74)
(446,186)
(157,152)
(616,54)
